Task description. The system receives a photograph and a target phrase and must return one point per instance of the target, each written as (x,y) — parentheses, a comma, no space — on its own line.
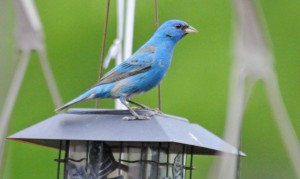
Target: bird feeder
(98,144)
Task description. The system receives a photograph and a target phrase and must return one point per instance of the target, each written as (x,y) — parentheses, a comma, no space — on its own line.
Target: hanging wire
(103,44)
(156,26)
(156,14)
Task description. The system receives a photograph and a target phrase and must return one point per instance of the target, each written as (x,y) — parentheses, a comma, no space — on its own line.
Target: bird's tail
(80,98)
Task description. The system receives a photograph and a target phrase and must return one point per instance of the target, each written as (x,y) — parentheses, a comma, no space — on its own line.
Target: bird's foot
(140,117)
(141,108)
(156,111)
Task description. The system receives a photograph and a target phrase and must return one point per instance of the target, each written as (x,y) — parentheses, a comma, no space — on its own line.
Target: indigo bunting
(142,71)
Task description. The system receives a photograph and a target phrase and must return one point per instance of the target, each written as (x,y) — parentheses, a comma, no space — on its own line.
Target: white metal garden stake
(29,36)
(116,50)
(253,61)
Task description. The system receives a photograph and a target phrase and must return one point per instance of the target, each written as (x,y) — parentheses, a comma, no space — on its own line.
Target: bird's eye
(178,26)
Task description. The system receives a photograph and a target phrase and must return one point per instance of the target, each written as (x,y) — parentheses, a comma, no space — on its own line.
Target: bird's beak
(190,29)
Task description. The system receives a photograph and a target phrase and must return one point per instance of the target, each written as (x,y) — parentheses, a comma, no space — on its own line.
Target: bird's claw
(156,111)
(141,117)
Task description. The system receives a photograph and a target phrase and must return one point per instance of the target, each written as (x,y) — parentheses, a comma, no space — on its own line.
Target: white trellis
(253,61)
(117,51)
(29,36)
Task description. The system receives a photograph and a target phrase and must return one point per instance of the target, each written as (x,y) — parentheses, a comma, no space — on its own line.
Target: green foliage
(196,86)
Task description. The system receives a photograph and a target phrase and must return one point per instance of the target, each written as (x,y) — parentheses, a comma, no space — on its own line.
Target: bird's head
(175,30)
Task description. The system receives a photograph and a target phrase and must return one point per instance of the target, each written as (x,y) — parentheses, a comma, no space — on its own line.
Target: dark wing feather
(116,76)
(138,63)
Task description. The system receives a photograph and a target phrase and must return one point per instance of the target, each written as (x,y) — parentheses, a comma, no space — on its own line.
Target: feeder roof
(107,125)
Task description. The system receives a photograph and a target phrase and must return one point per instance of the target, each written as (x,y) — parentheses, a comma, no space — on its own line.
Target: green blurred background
(196,86)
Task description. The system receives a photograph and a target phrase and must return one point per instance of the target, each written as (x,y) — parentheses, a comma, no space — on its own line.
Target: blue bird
(142,71)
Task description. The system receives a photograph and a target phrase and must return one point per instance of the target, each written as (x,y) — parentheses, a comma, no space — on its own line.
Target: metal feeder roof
(107,125)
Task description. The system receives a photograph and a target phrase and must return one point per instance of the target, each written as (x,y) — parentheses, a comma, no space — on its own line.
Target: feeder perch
(98,144)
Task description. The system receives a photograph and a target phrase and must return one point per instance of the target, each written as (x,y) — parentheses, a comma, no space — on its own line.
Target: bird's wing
(138,63)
